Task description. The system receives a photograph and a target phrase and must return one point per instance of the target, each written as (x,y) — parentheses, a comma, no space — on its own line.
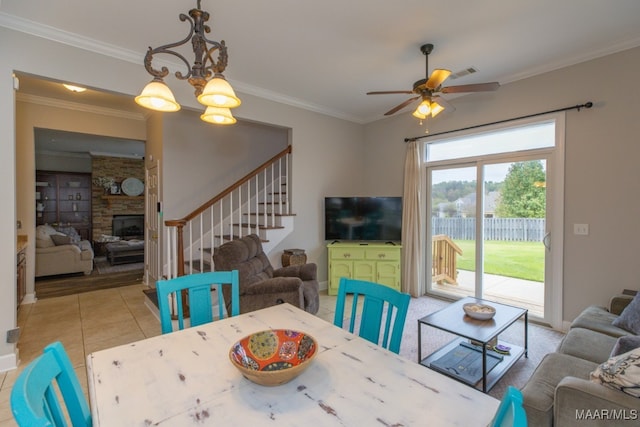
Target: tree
(523,196)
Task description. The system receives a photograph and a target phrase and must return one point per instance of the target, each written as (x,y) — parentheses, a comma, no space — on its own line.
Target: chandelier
(205,75)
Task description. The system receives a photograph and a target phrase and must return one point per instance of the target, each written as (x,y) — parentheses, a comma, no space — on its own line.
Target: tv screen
(363,218)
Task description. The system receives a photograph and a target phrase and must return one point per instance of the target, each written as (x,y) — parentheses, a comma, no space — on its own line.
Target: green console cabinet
(373,262)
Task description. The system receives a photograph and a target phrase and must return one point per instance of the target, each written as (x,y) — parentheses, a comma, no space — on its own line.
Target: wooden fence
(510,229)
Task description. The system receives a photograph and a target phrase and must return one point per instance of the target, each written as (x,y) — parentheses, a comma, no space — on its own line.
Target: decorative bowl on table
(274,356)
(479,311)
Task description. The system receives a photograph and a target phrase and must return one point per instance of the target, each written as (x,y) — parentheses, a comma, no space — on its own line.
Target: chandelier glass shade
(218,93)
(157,96)
(205,74)
(218,116)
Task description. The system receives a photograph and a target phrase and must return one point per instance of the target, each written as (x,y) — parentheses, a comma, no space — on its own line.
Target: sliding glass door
(489,219)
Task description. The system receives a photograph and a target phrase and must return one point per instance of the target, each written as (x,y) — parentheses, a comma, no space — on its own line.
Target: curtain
(413,262)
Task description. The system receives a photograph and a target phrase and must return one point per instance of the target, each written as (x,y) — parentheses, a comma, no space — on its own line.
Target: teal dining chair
(34,397)
(379,301)
(510,412)
(198,287)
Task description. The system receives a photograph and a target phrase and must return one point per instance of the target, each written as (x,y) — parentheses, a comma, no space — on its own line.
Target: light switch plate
(581,229)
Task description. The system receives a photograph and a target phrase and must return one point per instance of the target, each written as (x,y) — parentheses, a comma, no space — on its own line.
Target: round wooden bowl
(274,356)
(479,311)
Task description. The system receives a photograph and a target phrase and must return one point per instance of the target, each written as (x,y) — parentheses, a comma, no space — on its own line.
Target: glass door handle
(546,241)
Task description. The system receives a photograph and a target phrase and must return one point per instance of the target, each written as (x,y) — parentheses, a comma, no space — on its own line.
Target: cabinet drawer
(346,253)
(382,254)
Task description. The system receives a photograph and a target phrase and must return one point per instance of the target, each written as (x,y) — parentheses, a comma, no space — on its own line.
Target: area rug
(104,267)
(542,340)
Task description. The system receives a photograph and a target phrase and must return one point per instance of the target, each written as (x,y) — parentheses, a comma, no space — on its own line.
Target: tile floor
(88,322)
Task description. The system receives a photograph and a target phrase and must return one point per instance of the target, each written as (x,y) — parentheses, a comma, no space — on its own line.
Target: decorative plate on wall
(132,187)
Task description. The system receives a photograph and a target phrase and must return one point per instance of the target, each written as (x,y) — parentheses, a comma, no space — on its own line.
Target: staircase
(258,204)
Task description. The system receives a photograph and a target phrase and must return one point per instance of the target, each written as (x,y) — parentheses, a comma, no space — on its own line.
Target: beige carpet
(542,340)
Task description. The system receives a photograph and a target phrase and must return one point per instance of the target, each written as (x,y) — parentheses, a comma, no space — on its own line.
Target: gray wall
(335,157)
(602,178)
(327,151)
(202,159)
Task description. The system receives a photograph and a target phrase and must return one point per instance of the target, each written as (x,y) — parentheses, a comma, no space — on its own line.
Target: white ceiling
(326,55)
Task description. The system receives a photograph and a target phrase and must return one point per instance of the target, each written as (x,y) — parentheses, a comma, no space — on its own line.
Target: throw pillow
(71,232)
(629,319)
(625,344)
(620,373)
(60,239)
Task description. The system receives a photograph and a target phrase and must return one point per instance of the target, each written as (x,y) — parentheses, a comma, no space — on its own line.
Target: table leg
(419,342)
(484,368)
(526,334)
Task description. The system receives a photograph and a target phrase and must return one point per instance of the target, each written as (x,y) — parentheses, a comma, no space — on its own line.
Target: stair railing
(192,239)
(444,265)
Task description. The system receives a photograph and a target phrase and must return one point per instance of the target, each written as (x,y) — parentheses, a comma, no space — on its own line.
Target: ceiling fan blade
(401,106)
(438,76)
(386,92)
(478,87)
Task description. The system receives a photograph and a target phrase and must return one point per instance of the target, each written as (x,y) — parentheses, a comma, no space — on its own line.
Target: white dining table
(185,378)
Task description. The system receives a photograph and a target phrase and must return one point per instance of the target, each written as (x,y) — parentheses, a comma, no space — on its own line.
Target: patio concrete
(507,290)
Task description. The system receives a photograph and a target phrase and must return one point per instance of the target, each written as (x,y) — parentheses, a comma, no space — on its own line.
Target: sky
(510,140)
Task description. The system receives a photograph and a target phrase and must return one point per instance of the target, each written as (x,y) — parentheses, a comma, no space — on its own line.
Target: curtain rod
(575,107)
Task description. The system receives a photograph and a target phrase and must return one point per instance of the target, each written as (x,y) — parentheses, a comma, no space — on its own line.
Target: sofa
(61,251)
(566,389)
(260,284)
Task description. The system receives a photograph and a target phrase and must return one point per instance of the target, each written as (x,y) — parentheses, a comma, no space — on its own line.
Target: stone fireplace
(128,227)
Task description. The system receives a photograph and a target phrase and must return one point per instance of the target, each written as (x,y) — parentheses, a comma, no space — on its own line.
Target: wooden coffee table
(453,319)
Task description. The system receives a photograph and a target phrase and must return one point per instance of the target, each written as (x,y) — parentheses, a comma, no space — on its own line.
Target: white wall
(602,177)
(327,151)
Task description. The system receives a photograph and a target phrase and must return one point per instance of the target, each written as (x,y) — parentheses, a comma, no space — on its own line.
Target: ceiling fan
(427,89)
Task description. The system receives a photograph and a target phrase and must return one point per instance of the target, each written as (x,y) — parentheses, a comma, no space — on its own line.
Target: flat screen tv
(363,218)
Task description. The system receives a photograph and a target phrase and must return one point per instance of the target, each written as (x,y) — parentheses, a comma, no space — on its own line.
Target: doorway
(62,131)
(491,216)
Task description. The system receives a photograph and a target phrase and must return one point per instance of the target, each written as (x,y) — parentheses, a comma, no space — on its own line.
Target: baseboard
(9,362)
(323,286)
(29,299)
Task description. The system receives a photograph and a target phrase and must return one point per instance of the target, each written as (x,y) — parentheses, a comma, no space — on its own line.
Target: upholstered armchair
(260,284)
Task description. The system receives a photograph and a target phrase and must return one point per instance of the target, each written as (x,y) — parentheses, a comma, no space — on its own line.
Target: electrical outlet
(581,229)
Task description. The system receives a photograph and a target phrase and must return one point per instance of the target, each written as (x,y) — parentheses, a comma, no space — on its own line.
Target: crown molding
(70,39)
(110,154)
(86,108)
(96,46)
(294,102)
(65,154)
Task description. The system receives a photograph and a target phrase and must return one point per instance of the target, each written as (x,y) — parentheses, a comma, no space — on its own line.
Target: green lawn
(522,260)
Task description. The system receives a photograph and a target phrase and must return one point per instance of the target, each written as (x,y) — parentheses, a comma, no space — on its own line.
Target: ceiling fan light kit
(205,75)
(427,88)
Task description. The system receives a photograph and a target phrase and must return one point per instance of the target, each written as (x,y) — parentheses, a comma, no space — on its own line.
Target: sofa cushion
(625,344)
(71,232)
(587,344)
(539,391)
(621,373)
(629,319)
(598,319)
